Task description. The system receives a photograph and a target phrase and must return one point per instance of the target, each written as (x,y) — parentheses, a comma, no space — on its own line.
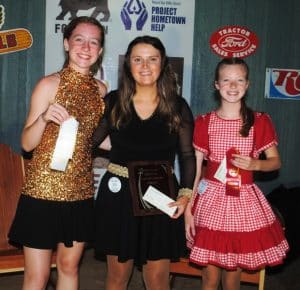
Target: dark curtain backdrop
(19,71)
(275,22)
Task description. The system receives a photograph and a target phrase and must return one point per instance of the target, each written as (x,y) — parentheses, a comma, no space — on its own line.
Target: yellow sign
(14,40)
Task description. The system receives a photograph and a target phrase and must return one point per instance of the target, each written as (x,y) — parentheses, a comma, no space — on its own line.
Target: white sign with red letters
(282,83)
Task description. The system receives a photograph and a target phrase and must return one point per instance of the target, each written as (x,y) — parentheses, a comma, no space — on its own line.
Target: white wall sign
(282,83)
(171,21)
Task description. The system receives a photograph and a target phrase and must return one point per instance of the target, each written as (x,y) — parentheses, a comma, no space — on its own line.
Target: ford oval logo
(233,41)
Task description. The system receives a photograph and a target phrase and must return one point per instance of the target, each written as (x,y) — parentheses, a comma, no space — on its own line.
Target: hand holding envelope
(65,144)
(159,200)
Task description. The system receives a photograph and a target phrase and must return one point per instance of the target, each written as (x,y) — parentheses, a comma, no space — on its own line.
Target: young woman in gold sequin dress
(55,207)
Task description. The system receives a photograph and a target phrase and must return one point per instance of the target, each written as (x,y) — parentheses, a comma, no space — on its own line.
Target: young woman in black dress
(146,120)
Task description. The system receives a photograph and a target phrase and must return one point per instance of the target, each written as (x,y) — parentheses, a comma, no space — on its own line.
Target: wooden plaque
(159,174)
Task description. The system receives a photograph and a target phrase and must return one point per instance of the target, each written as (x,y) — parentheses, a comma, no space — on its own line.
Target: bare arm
(42,110)
(188,217)
(272,161)
(199,164)
(102,88)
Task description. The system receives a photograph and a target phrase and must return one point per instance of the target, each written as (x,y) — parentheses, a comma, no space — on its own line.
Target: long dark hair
(68,32)
(246,113)
(166,87)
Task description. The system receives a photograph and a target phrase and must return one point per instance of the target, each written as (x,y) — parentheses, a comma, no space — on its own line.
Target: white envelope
(159,200)
(65,144)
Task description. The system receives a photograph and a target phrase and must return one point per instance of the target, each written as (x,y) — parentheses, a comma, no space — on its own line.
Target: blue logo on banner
(131,8)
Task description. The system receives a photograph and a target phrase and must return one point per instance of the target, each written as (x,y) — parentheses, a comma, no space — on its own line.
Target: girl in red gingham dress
(229,224)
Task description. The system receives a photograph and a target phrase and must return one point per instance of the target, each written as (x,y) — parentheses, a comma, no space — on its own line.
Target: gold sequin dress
(52,197)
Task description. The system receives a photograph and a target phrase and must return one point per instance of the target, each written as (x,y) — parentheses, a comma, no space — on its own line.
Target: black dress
(118,231)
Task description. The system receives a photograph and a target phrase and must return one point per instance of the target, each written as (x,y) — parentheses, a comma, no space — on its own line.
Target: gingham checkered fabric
(234,231)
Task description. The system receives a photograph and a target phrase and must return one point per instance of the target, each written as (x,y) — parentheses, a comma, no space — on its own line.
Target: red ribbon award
(233,177)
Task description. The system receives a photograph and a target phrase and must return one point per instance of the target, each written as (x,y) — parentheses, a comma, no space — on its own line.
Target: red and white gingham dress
(234,231)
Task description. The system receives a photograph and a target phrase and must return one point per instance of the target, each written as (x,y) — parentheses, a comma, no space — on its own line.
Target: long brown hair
(68,32)
(246,112)
(166,87)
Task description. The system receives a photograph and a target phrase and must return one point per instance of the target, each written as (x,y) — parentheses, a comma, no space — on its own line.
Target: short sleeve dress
(234,231)
(118,231)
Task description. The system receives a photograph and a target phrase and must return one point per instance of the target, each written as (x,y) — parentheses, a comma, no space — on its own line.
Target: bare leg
(231,280)
(67,266)
(37,268)
(156,275)
(211,276)
(118,274)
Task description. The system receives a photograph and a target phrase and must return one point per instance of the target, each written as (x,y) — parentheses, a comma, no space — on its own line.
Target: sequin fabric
(80,95)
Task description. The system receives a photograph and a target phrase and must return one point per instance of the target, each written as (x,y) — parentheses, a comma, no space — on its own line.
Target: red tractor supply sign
(233,41)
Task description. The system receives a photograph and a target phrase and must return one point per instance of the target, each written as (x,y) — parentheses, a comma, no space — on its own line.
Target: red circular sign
(233,41)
